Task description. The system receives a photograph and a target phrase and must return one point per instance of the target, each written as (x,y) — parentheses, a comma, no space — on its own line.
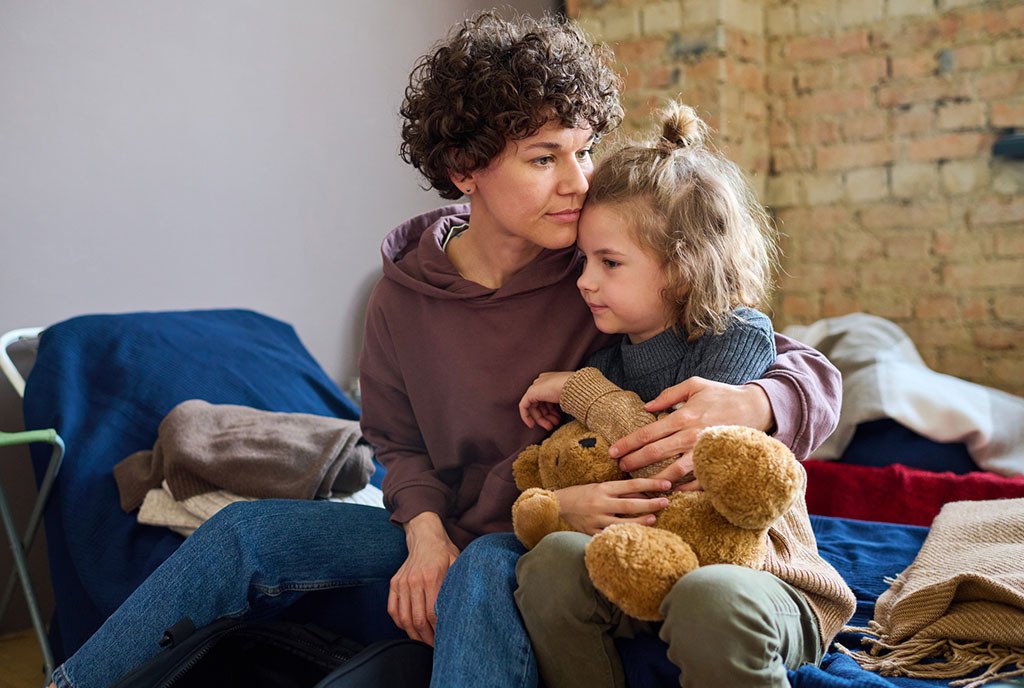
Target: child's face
(621,282)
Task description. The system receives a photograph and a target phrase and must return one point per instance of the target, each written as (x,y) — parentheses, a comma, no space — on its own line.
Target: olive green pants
(725,625)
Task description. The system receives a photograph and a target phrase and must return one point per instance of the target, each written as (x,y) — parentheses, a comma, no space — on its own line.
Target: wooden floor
(21,662)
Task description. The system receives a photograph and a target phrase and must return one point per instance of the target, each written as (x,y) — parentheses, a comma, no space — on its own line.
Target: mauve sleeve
(806,392)
(411,484)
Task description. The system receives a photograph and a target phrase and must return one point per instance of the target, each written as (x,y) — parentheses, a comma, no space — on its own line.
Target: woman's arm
(806,393)
(412,485)
(414,492)
(797,401)
(414,588)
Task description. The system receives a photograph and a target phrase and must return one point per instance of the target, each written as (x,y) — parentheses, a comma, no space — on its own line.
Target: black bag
(278,654)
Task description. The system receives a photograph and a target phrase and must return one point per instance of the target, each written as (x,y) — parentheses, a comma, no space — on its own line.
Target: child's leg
(570,624)
(732,626)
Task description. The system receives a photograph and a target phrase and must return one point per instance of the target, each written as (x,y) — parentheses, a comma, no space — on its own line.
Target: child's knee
(558,552)
(708,597)
(554,570)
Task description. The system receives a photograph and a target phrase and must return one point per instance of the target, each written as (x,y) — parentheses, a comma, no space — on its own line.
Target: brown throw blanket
(205,448)
(959,607)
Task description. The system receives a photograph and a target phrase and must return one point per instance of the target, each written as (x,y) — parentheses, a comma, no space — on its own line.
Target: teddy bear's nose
(588,442)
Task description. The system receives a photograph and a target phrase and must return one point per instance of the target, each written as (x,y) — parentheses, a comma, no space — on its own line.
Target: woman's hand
(414,588)
(591,508)
(703,403)
(539,406)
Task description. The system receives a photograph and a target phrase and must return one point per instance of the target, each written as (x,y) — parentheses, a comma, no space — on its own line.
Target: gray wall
(200,154)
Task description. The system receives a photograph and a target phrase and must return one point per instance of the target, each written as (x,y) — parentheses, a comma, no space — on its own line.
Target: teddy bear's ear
(526,468)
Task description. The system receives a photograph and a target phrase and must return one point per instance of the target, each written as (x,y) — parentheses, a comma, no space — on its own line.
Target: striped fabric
(958,609)
(793,557)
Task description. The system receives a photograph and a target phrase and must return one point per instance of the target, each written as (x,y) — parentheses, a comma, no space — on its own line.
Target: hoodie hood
(413,258)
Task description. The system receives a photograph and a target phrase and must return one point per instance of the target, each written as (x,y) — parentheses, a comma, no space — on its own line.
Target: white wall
(200,154)
(206,154)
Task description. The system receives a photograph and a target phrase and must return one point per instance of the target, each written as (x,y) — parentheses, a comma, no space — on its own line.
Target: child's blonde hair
(693,210)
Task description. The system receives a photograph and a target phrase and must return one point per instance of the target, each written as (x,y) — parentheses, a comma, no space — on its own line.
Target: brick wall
(867,126)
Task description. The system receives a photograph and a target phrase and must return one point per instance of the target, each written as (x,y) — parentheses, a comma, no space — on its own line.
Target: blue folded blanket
(105,382)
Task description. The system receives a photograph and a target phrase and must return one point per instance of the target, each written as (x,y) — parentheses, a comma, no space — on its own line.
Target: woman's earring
(469,191)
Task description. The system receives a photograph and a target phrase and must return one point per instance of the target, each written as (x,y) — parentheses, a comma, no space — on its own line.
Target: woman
(474,301)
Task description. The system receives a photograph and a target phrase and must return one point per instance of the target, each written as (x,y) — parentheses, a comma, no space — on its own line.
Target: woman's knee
(496,549)
(482,572)
(227,526)
(491,557)
(269,533)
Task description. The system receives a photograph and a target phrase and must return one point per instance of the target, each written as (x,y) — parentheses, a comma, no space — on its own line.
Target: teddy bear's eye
(588,442)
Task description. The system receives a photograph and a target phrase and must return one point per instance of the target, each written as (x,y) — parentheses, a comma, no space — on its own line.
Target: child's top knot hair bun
(681,128)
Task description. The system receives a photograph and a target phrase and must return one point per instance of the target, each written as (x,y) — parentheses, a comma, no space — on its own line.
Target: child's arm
(539,406)
(592,507)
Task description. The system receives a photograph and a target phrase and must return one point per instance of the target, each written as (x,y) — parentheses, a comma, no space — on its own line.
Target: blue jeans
(259,559)
(480,638)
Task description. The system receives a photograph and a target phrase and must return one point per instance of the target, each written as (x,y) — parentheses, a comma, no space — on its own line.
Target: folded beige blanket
(959,607)
(204,448)
(160,508)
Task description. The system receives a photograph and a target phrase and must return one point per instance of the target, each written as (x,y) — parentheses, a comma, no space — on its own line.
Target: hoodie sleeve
(412,485)
(806,392)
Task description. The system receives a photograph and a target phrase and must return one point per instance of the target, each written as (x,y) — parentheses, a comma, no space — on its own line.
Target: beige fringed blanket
(959,607)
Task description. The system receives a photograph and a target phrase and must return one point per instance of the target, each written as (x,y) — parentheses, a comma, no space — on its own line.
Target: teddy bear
(749,480)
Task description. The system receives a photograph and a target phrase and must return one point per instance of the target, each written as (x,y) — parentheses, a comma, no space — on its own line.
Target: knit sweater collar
(651,355)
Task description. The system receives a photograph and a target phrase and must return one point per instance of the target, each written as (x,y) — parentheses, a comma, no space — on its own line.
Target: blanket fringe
(939,658)
(899,578)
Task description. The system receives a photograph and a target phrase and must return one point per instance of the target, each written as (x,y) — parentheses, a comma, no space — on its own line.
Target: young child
(678,253)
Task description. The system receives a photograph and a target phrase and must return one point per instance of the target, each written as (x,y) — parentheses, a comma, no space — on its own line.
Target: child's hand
(539,406)
(591,508)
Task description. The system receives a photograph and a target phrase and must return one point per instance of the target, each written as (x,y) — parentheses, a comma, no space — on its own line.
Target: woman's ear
(463,182)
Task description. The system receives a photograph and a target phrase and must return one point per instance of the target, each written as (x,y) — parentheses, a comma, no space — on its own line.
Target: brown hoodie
(445,362)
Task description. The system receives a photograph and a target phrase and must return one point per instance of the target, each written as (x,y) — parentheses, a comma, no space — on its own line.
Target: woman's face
(535,189)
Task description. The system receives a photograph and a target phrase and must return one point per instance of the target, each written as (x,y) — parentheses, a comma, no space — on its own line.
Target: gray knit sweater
(740,354)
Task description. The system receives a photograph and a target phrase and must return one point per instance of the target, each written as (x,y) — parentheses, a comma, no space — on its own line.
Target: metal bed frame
(21,544)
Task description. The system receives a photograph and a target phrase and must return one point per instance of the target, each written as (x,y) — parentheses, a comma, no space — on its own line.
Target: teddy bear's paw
(534,515)
(751,478)
(635,566)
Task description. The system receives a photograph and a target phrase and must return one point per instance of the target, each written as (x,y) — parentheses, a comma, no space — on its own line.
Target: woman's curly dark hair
(494,80)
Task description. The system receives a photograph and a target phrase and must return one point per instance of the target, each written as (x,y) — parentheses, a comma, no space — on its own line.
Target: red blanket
(895,493)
